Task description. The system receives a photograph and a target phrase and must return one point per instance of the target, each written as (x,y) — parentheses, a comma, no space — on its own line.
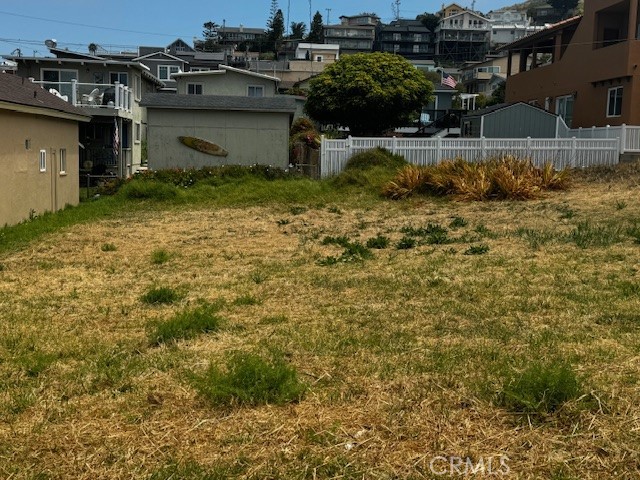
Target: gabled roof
(61,53)
(283,103)
(182,42)
(20,94)
(503,106)
(462,13)
(162,54)
(224,69)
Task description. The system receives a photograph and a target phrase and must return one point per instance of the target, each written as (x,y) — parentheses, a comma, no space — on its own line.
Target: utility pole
(310,17)
(288,12)
(328,15)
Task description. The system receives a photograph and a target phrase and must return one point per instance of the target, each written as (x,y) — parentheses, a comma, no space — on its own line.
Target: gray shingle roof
(21,91)
(282,103)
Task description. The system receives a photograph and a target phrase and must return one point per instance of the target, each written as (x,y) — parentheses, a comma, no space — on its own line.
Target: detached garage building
(517,120)
(38,150)
(250,130)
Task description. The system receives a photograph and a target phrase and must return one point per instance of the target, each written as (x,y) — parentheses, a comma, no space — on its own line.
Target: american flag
(448,80)
(116,138)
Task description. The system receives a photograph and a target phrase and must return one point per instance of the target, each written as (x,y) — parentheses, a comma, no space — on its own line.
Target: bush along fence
(562,152)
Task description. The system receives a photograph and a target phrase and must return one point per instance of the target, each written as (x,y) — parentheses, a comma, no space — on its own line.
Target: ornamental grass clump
(498,178)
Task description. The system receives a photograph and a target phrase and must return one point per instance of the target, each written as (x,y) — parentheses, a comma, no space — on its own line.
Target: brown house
(38,150)
(584,69)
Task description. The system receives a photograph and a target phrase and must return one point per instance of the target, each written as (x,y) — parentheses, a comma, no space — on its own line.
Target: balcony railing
(94,95)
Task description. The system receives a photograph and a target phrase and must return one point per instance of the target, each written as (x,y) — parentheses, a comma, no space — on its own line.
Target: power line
(76,24)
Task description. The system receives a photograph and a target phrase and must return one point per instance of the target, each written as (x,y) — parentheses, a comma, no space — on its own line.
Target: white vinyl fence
(562,152)
(629,135)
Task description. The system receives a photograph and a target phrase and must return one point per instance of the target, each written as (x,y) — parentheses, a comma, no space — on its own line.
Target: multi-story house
(461,36)
(508,26)
(409,38)
(353,34)
(242,38)
(484,77)
(108,90)
(545,14)
(584,69)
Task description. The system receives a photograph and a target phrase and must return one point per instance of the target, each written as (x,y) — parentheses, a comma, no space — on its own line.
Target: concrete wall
(23,188)
(249,138)
(229,83)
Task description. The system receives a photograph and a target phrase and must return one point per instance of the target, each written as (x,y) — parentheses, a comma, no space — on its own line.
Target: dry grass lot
(406,355)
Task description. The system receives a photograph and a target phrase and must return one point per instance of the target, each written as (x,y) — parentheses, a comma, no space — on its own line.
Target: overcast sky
(74,24)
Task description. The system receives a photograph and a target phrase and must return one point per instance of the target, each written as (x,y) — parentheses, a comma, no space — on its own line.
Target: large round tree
(368,92)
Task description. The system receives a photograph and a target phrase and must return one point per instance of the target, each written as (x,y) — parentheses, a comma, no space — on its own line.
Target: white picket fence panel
(562,152)
(629,135)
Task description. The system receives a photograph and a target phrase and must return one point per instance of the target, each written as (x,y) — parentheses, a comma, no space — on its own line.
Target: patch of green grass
(565,212)
(246,300)
(540,388)
(161,295)
(536,238)
(406,243)
(108,247)
(160,256)
(191,470)
(458,222)
(477,249)
(379,242)
(186,324)
(621,205)
(297,210)
(250,379)
(148,190)
(353,251)
(588,235)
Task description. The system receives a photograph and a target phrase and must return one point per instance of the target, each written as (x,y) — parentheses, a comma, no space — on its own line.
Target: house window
(564,108)
(194,88)
(416,49)
(200,69)
(319,58)
(255,91)
(63,161)
(137,133)
(59,80)
(43,160)
(137,86)
(165,71)
(614,103)
(397,37)
(119,77)
(417,37)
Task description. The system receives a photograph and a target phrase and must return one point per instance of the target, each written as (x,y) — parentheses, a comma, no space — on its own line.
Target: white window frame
(256,88)
(137,86)
(119,75)
(617,103)
(194,85)
(137,132)
(199,69)
(43,161)
(561,108)
(64,87)
(63,161)
(169,68)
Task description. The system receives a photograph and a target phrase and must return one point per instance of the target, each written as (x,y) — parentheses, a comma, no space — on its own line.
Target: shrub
(406,243)
(540,388)
(499,178)
(160,295)
(186,324)
(377,157)
(302,124)
(458,222)
(477,249)
(249,379)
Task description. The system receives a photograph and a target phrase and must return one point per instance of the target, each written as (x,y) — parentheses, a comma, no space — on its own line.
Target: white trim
(119,73)
(619,87)
(137,132)
(148,57)
(63,161)
(170,74)
(257,88)
(42,165)
(201,85)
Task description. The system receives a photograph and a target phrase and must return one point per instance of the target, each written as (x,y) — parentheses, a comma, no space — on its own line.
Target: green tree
(275,31)
(368,92)
(298,29)
(564,5)
(429,20)
(498,95)
(316,34)
(210,34)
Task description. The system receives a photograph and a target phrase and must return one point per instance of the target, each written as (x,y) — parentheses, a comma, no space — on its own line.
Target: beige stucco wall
(249,138)
(23,188)
(229,83)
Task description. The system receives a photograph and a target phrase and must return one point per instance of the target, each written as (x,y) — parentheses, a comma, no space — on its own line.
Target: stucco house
(227,81)
(109,91)
(38,150)
(584,69)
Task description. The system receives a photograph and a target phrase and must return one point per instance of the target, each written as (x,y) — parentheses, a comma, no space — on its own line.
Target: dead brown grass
(399,351)
(500,178)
